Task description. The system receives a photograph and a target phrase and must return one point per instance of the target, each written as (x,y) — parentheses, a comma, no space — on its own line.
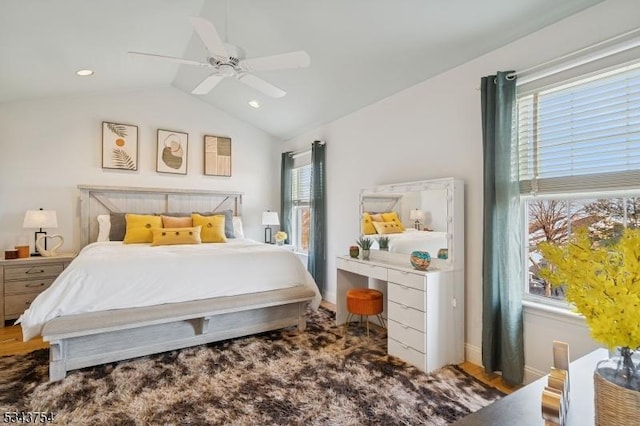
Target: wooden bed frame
(84,340)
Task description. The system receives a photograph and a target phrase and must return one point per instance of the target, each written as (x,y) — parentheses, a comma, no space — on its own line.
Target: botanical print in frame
(172,152)
(119,146)
(217,156)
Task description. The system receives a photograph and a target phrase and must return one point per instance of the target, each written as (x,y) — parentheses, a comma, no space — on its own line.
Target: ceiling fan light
(227,70)
(84,73)
(254,104)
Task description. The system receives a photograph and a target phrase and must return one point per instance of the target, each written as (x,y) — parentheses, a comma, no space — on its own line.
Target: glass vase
(617,388)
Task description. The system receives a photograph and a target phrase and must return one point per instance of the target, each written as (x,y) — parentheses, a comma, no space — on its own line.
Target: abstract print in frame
(172,152)
(217,156)
(119,146)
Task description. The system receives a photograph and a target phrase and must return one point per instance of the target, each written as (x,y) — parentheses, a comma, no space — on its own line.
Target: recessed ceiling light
(254,104)
(84,73)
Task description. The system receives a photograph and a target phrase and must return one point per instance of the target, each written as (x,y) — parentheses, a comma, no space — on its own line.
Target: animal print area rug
(282,377)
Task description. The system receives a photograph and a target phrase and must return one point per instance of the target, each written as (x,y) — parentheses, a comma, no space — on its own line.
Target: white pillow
(237,227)
(104,227)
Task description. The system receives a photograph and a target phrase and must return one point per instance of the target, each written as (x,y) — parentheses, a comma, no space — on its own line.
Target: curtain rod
(303,152)
(594,52)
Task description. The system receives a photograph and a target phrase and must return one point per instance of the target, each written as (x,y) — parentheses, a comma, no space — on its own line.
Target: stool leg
(346,325)
(382,321)
(367,326)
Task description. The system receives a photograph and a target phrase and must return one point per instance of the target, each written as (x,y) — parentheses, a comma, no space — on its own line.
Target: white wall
(50,146)
(433,130)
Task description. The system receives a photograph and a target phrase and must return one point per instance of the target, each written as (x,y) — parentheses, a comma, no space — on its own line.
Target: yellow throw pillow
(377,217)
(176,222)
(393,217)
(170,236)
(366,227)
(139,226)
(212,228)
(387,227)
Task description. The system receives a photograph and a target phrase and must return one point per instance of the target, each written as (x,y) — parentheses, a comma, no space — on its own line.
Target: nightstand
(21,280)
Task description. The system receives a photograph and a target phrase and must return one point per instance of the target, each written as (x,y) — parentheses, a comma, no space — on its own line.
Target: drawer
(407,353)
(373,271)
(407,278)
(17,303)
(28,286)
(407,335)
(408,296)
(347,265)
(31,272)
(407,316)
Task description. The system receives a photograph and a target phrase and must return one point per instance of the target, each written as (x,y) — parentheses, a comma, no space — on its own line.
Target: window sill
(550,311)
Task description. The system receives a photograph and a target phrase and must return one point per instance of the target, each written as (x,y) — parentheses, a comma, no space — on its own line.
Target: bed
(117,301)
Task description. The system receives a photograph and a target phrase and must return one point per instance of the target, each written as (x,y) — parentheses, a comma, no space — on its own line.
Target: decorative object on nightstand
(365,244)
(269,218)
(41,245)
(416,215)
(40,219)
(420,260)
(383,243)
(280,237)
(354,252)
(593,275)
(443,253)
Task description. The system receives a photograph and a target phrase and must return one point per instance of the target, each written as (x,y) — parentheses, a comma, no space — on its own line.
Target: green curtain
(286,202)
(502,341)
(317,228)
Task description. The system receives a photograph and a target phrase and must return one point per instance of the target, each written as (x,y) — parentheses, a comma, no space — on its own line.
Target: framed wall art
(119,146)
(172,152)
(217,156)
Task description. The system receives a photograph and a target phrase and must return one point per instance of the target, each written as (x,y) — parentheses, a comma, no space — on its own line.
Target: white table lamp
(40,219)
(268,219)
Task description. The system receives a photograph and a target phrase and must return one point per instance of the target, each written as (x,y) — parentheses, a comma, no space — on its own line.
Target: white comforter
(113,275)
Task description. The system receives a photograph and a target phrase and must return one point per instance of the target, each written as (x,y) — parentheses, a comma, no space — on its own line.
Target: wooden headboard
(96,200)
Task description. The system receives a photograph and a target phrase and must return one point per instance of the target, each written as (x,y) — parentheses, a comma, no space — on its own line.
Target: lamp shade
(270,218)
(416,214)
(40,219)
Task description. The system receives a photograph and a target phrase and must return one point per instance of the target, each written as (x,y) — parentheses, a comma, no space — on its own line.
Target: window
(579,163)
(301,197)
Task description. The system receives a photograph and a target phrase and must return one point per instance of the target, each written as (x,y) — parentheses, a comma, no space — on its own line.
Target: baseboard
(532,374)
(473,354)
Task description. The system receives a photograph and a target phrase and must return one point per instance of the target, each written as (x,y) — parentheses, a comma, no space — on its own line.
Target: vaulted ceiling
(361,50)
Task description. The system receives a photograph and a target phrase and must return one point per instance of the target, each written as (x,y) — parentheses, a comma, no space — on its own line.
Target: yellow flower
(603,284)
(281,236)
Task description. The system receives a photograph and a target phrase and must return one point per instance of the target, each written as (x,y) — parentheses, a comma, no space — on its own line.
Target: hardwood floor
(11,344)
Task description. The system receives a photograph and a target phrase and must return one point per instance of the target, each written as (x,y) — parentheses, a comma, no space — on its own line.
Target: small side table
(22,280)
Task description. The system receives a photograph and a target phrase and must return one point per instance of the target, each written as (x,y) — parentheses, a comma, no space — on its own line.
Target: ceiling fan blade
(210,37)
(261,85)
(299,59)
(207,84)
(172,59)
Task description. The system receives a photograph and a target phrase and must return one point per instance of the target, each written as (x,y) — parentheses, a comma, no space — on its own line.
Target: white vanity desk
(424,309)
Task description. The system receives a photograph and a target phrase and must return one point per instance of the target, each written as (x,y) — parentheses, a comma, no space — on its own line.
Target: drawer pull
(31,285)
(404,326)
(404,307)
(405,347)
(35,271)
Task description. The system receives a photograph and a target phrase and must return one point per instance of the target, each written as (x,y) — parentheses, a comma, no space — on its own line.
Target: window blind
(301,184)
(581,136)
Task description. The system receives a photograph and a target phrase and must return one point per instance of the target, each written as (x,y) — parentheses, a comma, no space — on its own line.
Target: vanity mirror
(422,215)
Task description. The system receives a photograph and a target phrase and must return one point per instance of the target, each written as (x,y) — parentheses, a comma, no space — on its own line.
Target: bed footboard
(84,340)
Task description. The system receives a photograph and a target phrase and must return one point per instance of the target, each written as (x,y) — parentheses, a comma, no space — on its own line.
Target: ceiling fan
(228,61)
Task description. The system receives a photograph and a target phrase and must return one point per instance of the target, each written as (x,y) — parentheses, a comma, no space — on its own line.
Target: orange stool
(364,302)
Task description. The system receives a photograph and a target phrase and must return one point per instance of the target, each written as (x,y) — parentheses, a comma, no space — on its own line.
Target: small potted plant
(365,244)
(383,243)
